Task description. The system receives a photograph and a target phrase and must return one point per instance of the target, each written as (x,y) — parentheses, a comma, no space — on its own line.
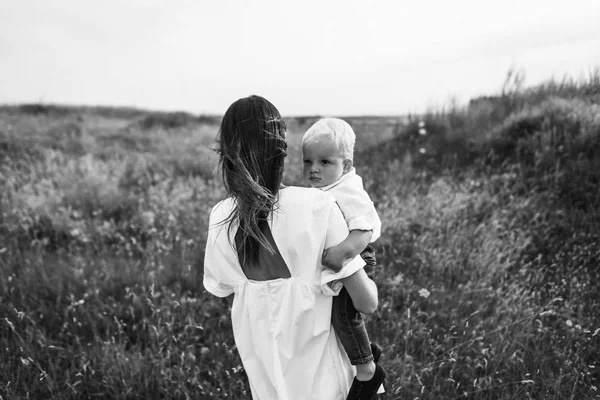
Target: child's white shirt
(355,203)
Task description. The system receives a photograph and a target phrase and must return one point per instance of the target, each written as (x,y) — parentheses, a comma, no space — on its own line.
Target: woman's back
(282,326)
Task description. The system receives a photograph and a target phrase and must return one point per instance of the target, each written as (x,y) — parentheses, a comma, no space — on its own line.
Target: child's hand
(335,258)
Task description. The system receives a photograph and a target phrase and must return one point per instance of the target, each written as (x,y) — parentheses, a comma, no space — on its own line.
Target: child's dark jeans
(349,324)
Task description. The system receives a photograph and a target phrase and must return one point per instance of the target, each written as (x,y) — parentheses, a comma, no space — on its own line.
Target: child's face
(323,163)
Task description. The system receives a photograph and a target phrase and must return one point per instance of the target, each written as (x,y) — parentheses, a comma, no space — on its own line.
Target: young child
(328,151)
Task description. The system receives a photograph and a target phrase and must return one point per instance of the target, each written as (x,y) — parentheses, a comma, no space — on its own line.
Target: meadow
(488,269)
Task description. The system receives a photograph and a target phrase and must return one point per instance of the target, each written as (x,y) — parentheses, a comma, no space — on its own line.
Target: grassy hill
(488,260)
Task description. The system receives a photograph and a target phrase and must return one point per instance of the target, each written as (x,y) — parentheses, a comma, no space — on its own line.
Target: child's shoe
(366,390)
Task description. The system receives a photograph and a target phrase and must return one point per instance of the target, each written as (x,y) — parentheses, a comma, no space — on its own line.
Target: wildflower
(422,131)
(569,323)
(424,293)
(421,124)
(148,218)
(397,279)
(422,150)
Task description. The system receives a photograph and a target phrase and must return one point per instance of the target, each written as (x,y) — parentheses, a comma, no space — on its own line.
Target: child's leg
(368,379)
(350,328)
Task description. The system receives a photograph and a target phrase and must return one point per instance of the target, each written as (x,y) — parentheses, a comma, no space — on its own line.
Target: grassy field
(488,262)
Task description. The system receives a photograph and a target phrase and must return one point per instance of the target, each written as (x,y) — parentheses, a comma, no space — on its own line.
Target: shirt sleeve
(357,207)
(337,231)
(219,258)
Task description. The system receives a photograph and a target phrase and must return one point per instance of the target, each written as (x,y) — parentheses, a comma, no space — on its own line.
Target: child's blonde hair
(339,130)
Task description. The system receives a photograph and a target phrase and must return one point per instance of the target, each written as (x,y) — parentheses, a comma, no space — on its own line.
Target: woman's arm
(220,260)
(363,292)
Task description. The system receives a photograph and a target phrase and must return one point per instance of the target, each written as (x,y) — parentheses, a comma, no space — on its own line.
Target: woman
(264,246)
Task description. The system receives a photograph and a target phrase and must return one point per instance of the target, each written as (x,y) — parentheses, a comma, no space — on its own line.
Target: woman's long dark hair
(252,152)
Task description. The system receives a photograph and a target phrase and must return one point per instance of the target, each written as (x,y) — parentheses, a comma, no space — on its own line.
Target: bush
(174,120)
(44,109)
(18,154)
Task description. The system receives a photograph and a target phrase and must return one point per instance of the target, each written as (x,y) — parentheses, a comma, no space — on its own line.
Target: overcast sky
(308,57)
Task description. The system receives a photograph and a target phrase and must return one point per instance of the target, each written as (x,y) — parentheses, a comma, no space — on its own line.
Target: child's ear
(347,165)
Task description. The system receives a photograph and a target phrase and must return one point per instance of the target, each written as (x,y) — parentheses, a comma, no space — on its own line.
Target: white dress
(282,327)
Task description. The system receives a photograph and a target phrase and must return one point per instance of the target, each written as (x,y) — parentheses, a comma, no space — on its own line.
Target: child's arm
(336,257)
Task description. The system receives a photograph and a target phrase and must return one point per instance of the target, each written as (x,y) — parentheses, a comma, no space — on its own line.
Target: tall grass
(487,270)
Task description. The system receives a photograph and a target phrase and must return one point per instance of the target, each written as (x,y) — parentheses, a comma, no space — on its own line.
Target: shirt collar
(346,176)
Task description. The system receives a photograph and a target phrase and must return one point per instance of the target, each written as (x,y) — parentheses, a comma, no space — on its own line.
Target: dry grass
(487,262)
